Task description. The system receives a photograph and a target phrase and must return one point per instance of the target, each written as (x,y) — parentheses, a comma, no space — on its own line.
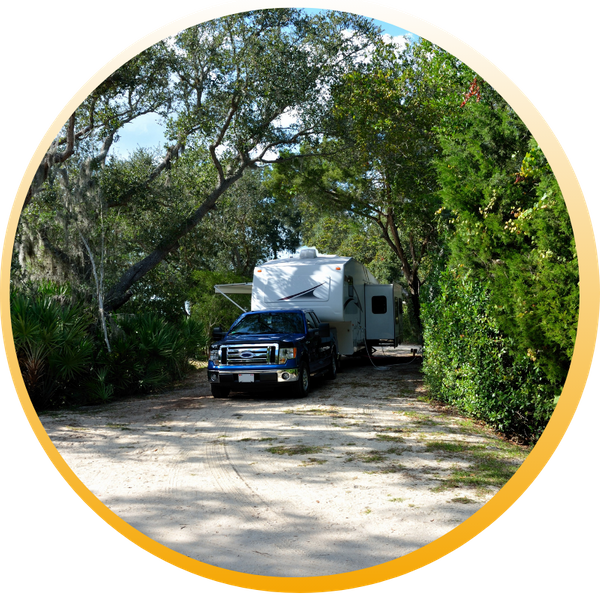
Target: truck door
(313,342)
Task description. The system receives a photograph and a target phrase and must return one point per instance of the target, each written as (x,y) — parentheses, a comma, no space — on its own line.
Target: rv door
(383,314)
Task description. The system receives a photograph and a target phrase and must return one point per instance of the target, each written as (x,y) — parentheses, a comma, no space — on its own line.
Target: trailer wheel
(303,385)
(218,391)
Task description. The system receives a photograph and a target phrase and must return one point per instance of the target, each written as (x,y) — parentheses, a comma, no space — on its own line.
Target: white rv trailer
(340,290)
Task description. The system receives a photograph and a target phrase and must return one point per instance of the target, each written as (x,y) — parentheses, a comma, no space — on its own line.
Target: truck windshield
(274,322)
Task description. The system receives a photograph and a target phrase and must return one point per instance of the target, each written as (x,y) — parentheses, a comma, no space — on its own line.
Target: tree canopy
(378,160)
(234,92)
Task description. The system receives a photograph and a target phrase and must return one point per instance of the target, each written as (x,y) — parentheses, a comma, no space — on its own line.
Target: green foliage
(501,323)
(536,288)
(148,352)
(232,92)
(505,219)
(52,344)
(247,228)
(64,360)
(210,309)
(377,159)
(469,363)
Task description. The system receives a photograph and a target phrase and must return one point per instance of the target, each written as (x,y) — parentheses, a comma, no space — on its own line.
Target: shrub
(64,359)
(52,345)
(148,352)
(470,364)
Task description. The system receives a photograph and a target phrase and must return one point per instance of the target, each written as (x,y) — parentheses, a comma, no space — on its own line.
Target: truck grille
(249,355)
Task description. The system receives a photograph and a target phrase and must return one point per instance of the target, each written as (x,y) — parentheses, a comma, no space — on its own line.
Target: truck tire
(218,391)
(331,372)
(303,384)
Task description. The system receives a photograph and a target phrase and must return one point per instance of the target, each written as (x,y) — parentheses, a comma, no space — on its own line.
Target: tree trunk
(411,271)
(121,292)
(414,289)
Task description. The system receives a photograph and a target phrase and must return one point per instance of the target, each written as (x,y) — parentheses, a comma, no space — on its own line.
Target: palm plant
(52,344)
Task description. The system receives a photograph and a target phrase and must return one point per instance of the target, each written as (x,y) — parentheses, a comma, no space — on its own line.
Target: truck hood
(263,338)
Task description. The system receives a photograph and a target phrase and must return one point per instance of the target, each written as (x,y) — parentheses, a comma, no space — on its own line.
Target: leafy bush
(505,219)
(148,352)
(52,345)
(470,364)
(64,359)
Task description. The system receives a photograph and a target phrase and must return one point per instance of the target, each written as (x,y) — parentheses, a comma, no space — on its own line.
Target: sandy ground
(271,485)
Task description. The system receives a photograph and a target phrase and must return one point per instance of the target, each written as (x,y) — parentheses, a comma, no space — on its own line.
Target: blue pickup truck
(272,349)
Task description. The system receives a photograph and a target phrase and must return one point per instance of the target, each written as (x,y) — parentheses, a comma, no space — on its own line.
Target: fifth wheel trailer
(340,290)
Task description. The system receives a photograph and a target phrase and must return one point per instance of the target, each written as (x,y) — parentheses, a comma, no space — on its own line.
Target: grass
(312,461)
(388,468)
(120,426)
(298,449)
(418,418)
(490,466)
(76,428)
(447,447)
(368,457)
(390,429)
(386,437)
(394,450)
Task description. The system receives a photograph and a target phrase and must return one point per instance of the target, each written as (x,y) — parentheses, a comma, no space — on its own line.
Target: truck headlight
(214,355)
(285,354)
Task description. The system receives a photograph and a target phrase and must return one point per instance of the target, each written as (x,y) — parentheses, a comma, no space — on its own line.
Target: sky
(147,132)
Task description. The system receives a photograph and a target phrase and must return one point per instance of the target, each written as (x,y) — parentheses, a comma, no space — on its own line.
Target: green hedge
(468,363)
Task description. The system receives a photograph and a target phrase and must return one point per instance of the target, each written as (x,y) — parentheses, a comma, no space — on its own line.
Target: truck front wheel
(303,385)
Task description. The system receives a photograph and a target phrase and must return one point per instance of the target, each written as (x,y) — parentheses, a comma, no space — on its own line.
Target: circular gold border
(574,385)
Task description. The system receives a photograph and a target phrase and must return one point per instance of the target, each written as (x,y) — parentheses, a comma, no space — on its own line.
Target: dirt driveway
(362,471)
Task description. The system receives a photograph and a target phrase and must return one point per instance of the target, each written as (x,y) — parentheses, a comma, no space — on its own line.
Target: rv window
(379,305)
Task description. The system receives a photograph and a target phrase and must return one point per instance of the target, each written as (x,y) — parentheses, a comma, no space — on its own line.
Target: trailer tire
(219,391)
(303,384)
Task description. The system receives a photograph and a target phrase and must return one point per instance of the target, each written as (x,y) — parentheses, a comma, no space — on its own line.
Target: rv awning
(234,288)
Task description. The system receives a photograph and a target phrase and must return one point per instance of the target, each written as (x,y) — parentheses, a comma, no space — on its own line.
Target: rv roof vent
(308,253)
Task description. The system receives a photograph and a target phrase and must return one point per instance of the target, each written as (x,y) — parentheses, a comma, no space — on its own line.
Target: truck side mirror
(217,334)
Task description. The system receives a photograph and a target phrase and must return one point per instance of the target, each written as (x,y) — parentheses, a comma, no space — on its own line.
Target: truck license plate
(246,378)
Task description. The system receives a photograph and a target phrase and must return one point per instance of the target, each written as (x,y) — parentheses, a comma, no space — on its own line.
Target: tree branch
(121,292)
